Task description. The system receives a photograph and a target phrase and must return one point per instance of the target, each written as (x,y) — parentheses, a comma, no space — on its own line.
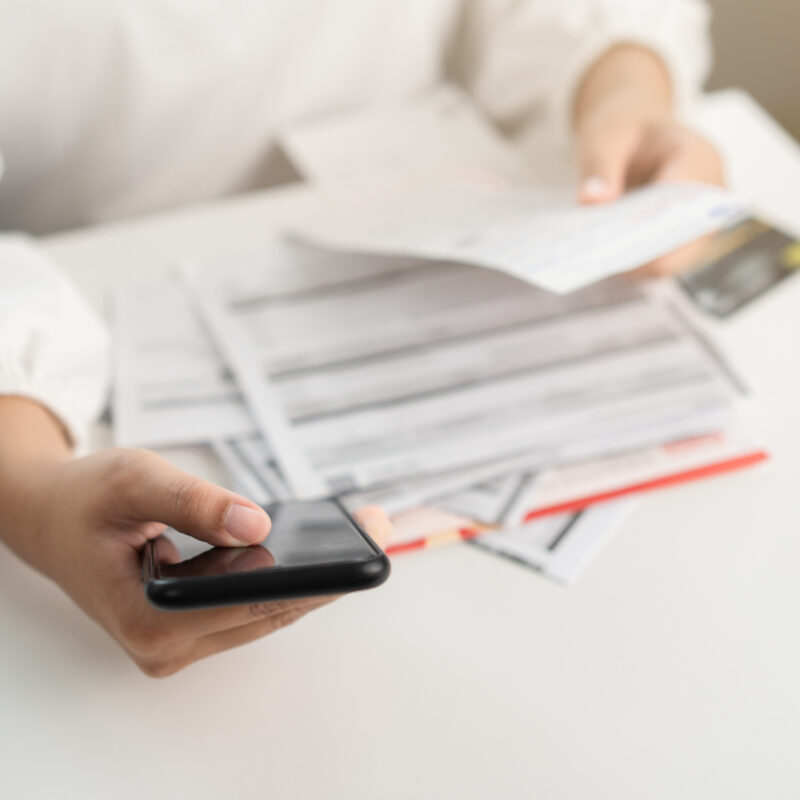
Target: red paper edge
(677,478)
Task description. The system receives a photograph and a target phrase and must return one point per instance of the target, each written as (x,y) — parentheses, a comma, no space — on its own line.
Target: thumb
(376,523)
(604,153)
(153,490)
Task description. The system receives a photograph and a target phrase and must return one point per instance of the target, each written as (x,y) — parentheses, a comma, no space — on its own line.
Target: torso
(116,107)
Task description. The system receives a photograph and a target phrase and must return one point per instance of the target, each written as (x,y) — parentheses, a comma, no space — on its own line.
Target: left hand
(623,143)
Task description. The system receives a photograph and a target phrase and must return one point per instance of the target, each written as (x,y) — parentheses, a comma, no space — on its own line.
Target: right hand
(91,517)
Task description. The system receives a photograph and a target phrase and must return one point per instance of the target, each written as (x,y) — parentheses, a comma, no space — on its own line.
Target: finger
(201,623)
(166,552)
(167,661)
(694,160)
(244,634)
(677,261)
(604,154)
(149,488)
(375,521)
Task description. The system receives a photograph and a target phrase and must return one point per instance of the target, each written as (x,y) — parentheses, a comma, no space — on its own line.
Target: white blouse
(112,108)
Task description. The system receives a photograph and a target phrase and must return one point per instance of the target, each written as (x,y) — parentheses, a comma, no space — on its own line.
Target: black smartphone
(313,548)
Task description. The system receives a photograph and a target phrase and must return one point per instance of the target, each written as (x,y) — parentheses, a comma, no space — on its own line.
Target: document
(171,385)
(516,498)
(437,128)
(561,546)
(505,500)
(243,478)
(542,237)
(251,464)
(363,373)
(538,519)
(431,177)
(448,341)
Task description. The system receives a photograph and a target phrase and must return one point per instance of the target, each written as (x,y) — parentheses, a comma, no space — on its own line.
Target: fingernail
(246,525)
(595,186)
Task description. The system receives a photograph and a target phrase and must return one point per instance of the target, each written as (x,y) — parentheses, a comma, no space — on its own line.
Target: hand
(93,517)
(627,136)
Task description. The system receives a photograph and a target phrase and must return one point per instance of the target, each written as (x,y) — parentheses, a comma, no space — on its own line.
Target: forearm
(627,72)
(32,441)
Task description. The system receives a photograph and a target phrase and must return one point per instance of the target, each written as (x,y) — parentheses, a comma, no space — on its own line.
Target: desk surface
(671,669)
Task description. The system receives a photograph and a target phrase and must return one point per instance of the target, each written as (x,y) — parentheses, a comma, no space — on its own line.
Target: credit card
(740,264)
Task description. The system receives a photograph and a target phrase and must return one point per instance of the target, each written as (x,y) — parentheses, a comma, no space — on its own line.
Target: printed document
(171,385)
(541,237)
(560,546)
(367,372)
(432,177)
(439,128)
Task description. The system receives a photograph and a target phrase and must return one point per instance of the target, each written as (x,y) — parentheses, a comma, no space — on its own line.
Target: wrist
(33,447)
(627,77)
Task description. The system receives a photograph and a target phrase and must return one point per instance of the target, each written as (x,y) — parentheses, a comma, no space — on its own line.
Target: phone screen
(302,534)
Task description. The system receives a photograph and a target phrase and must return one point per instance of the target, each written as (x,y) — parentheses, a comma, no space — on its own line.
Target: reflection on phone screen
(302,533)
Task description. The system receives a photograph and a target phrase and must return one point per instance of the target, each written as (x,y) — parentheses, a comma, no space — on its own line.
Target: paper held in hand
(432,177)
(543,238)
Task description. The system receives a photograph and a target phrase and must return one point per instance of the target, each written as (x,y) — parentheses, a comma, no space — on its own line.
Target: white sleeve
(523,60)
(53,347)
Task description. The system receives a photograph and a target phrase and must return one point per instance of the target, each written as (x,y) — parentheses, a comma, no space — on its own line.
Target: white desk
(672,670)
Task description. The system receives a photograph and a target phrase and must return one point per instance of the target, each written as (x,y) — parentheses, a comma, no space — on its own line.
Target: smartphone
(313,548)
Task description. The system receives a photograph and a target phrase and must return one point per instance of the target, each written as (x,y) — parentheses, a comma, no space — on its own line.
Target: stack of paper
(408,349)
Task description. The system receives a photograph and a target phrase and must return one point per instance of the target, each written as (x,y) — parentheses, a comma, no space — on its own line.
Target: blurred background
(757,47)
